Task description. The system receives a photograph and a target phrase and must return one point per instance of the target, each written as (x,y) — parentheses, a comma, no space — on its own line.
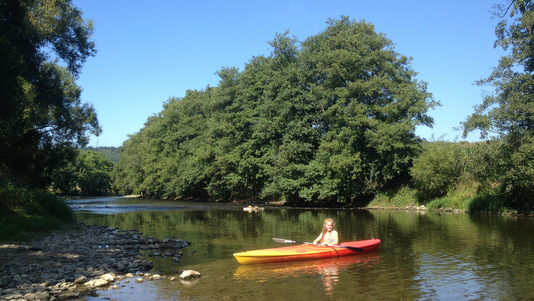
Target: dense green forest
(43,120)
(327,120)
(331,121)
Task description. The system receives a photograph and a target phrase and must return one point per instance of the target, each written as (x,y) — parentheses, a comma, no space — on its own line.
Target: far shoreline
(280,204)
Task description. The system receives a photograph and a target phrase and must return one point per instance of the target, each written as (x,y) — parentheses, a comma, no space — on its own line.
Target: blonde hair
(328,220)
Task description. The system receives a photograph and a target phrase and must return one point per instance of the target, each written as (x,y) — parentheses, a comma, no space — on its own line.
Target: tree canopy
(328,120)
(507,114)
(43,45)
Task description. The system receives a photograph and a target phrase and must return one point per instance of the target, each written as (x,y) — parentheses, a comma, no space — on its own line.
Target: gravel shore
(69,264)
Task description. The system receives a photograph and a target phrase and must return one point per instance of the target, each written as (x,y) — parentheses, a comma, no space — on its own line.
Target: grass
(469,196)
(22,228)
(396,198)
(27,212)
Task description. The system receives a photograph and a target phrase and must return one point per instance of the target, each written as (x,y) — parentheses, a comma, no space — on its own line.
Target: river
(422,256)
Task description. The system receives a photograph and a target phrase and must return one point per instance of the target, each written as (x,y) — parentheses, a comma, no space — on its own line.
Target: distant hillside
(112,153)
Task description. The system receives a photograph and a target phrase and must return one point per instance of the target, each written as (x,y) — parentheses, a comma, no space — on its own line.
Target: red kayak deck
(306,252)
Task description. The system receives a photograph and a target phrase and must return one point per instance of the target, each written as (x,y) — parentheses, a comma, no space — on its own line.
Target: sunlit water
(423,256)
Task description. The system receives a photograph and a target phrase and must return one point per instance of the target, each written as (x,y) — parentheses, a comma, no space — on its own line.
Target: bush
(459,196)
(24,211)
(437,169)
(398,198)
(20,200)
(488,203)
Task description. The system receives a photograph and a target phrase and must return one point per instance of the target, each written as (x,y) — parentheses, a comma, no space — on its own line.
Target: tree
(370,104)
(93,172)
(128,174)
(88,174)
(329,120)
(43,45)
(507,114)
(111,152)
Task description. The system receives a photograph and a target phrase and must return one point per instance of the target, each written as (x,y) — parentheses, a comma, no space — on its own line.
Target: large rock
(96,283)
(189,274)
(108,277)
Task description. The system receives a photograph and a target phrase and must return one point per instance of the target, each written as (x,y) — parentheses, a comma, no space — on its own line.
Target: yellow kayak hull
(305,252)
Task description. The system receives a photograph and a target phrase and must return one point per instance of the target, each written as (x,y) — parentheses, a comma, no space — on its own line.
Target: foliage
(19,228)
(90,174)
(24,210)
(466,194)
(508,113)
(461,176)
(328,120)
(112,153)
(43,45)
(459,197)
(438,168)
(483,203)
(93,173)
(401,197)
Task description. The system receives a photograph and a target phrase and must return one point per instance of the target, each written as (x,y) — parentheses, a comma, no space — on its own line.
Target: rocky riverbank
(72,263)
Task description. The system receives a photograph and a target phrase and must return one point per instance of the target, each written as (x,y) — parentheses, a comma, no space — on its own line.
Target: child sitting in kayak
(328,236)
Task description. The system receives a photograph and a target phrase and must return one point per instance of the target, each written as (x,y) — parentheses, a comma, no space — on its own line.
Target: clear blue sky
(149,51)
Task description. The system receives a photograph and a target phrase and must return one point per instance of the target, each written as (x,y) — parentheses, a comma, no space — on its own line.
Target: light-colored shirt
(329,237)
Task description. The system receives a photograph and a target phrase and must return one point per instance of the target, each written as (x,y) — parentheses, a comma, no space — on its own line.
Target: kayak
(307,251)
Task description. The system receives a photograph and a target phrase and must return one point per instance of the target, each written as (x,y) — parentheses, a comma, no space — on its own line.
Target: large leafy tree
(43,45)
(507,114)
(370,103)
(328,120)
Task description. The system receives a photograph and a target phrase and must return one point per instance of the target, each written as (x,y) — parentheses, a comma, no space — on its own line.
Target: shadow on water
(423,256)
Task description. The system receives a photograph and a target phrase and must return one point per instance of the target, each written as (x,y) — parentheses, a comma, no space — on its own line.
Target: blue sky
(149,51)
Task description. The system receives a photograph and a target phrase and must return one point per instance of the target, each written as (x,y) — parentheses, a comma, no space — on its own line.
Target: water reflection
(114,205)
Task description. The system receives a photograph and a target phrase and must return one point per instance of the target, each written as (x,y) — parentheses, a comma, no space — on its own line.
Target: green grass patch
(458,198)
(26,212)
(469,195)
(21,228)
(395,198)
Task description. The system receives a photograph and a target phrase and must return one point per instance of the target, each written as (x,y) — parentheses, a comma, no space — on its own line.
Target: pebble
(72,263)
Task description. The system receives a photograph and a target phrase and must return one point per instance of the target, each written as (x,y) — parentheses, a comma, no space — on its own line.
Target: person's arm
(316,241)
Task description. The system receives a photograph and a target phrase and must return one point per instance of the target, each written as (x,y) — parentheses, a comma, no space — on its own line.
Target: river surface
(422,256)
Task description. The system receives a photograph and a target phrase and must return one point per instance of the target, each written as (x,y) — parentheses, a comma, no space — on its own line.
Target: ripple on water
(445,277)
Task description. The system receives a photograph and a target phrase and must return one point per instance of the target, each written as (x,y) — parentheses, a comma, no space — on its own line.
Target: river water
(422,256)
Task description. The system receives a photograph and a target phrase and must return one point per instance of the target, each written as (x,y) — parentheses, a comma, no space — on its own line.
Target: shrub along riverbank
(35,212)
(25,212)
(465,198)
